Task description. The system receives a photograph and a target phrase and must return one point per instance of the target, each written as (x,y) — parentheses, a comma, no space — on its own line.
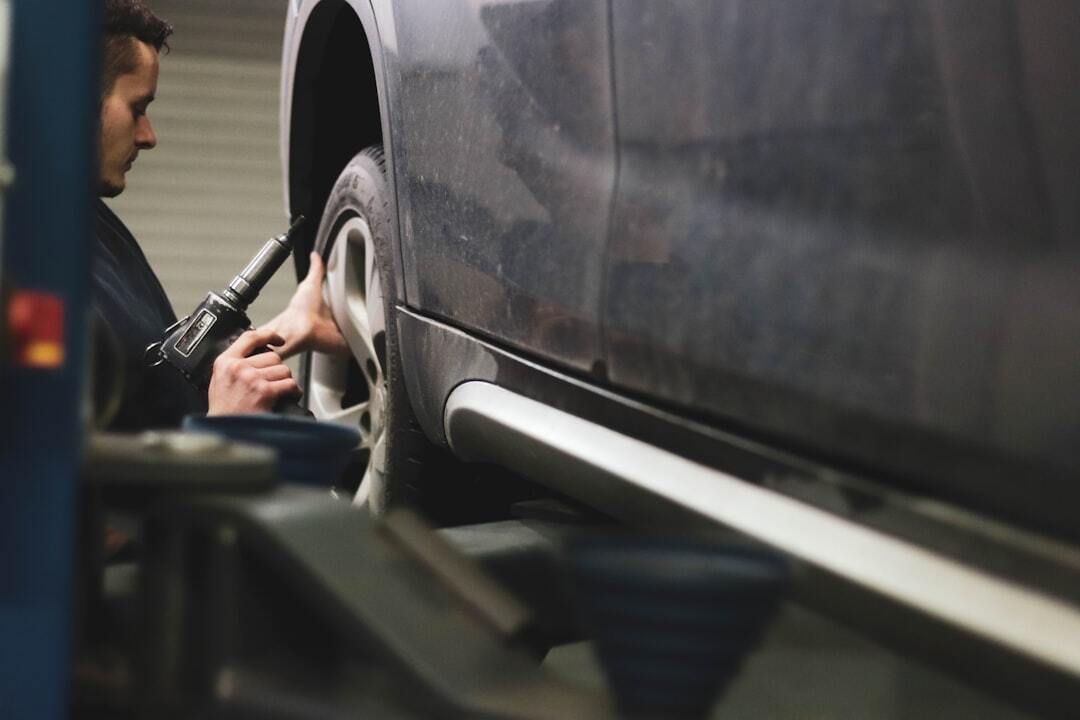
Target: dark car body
(849,229)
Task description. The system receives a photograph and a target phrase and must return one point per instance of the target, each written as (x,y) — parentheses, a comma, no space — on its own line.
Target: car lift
(53,101)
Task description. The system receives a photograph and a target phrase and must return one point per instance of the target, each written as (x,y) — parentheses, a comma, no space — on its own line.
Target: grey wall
(204,200)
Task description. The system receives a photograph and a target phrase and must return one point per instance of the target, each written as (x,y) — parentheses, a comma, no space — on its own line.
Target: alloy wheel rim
(352,390)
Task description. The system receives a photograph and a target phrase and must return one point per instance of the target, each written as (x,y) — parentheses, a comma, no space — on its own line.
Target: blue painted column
(53,105)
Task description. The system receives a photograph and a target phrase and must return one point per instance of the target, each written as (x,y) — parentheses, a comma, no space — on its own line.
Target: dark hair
(125,21)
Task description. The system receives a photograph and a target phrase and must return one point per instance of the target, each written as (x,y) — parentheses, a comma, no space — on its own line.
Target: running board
(1010,625)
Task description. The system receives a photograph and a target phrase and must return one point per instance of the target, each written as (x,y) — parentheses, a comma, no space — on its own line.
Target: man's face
(125,126)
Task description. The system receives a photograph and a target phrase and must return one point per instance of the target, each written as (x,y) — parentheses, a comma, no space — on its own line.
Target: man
(130,307)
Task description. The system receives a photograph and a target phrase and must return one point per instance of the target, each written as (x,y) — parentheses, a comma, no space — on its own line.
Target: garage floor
(809,668)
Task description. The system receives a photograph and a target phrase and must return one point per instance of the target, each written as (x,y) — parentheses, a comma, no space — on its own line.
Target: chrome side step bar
(616,473)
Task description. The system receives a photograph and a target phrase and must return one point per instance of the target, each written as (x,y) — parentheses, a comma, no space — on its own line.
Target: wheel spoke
(351,300)
(338,293)
(347,416)
(378,454)
(330,374)
(357,330)
(364,490)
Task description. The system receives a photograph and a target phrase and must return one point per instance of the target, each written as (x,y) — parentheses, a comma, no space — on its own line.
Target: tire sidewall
(362,190)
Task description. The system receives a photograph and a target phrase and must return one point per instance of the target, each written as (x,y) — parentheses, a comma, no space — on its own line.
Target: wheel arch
(335,106)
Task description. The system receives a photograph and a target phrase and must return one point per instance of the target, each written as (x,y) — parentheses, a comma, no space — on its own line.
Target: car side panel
(853,226)
(504,160)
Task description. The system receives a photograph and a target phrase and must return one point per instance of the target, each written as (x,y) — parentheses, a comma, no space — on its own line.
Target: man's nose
(145,138)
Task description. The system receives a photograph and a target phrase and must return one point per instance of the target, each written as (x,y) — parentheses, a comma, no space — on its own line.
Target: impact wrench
(192,344)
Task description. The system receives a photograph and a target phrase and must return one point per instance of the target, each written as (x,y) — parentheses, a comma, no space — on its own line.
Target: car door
(851,227)
(504,156)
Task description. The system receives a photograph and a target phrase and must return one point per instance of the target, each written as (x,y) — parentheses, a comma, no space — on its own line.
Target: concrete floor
(809,668)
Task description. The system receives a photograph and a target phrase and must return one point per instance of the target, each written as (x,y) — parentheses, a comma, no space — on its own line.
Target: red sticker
(36,327)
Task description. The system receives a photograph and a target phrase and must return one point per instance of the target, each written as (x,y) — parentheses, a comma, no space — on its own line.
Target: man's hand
(245,383)
(306,324)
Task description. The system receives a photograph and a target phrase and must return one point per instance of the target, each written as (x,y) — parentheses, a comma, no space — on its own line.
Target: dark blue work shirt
(131,307)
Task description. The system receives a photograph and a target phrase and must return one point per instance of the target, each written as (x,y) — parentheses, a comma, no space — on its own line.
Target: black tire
(362,190)
(416,473)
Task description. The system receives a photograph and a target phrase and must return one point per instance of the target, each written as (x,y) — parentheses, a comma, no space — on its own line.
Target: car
(791,268)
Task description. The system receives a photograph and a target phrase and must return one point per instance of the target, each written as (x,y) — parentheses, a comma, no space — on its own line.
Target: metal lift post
(53,102)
